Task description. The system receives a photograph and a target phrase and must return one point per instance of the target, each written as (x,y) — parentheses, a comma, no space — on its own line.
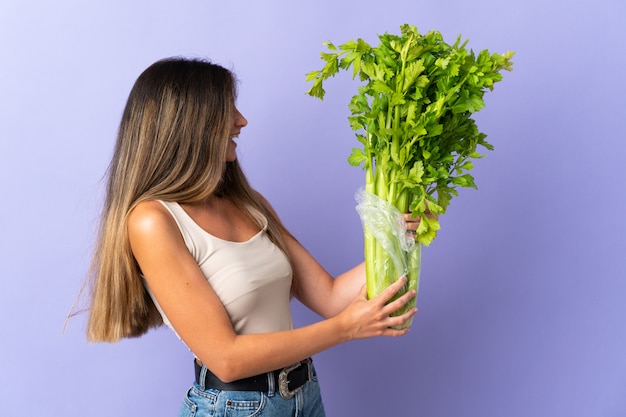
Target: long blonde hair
(171,145)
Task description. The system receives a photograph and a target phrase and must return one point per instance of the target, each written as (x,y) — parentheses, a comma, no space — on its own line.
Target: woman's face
(239,122)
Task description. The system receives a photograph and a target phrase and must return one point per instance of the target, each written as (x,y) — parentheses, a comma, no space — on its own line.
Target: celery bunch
(413,117)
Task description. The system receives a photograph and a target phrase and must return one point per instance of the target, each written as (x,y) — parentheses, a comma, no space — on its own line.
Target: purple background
(522,308)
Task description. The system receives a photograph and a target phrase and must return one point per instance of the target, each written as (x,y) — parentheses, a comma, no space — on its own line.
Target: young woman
(186,241)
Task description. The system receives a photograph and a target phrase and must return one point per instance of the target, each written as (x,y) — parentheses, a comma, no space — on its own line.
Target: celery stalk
(413,118)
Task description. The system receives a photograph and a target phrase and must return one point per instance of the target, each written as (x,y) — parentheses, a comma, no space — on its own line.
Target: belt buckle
(283,380)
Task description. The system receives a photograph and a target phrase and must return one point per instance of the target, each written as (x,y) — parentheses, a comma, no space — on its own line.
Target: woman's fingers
(388,293)
(412,222)
(396,325)
(370,318)
(400,302)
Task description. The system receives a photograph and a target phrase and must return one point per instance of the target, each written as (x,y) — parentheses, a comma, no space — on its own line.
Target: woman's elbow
(226,369)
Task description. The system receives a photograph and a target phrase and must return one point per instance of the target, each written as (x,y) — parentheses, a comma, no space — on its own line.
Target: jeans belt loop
(203,372)
(271,388)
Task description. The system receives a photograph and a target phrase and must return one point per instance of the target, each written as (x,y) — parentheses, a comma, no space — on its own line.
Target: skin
(239,123)
(201,320)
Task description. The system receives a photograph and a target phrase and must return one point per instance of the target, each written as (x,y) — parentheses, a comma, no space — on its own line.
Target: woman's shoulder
(150,218)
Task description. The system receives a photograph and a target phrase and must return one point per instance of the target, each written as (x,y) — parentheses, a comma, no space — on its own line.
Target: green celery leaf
(357,157)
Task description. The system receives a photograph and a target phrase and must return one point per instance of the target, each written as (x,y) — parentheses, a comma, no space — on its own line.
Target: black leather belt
(287,381)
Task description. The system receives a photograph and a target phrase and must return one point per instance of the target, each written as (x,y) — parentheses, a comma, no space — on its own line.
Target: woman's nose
(240,120)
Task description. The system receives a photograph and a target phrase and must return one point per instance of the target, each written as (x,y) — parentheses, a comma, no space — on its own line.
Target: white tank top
(252,278)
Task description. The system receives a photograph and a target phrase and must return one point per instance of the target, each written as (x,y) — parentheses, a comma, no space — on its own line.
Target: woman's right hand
(365,318)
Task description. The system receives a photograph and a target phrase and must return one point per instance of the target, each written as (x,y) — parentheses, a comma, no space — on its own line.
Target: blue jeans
(208,402)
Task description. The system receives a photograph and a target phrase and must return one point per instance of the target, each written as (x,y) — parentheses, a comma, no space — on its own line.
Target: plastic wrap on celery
(390,252)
